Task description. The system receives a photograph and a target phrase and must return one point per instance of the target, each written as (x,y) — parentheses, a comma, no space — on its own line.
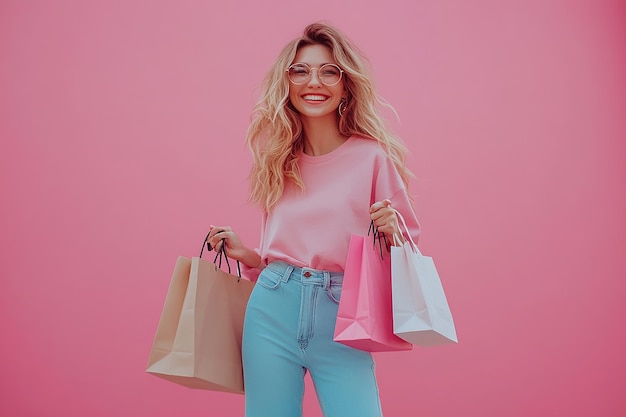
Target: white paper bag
(421,314)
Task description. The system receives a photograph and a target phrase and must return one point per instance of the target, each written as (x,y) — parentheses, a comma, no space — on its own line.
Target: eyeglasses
(328,74)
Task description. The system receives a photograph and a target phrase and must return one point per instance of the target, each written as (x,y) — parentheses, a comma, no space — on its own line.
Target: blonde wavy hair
(275,135)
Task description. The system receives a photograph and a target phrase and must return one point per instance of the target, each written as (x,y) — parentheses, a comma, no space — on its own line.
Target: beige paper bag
(198,339)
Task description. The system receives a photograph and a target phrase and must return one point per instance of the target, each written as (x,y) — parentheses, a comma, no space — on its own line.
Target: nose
(315,80)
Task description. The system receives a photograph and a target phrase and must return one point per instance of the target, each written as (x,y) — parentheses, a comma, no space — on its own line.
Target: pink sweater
(313,228)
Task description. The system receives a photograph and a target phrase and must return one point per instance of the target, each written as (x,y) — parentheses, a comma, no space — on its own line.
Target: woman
(325,166)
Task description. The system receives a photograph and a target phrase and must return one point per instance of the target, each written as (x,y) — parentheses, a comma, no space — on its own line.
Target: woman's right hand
(235,249)
(220,235)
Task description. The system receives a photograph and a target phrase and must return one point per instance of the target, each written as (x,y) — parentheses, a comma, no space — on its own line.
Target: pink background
(122,126)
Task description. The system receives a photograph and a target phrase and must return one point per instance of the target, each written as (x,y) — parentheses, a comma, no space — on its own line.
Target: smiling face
(314,99)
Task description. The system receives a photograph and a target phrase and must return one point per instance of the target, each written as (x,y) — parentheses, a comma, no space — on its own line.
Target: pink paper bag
(365,320)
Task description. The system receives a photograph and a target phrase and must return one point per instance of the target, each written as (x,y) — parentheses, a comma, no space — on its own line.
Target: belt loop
(326,280)
(287,273)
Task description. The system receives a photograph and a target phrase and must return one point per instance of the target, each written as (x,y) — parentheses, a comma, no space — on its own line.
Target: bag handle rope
(221,253)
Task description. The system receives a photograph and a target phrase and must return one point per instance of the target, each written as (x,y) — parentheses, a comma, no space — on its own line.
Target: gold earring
(342,106)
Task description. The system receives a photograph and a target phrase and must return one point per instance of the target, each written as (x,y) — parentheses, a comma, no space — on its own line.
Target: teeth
(314,97)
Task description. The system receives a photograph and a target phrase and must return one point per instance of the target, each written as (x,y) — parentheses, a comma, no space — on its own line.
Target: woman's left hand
(385,219)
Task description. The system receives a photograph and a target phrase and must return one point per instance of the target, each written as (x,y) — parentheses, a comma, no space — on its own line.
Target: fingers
(217,236)
(380,205)
(381,211)
(384,217)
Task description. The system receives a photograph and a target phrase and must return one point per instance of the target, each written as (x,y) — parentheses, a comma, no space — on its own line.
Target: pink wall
(122,124)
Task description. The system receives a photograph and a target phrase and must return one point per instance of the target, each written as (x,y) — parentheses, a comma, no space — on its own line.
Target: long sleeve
(389,185)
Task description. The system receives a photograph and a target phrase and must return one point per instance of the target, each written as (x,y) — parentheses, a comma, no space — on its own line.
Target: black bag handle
(208,245)
(380,236)
(221,253)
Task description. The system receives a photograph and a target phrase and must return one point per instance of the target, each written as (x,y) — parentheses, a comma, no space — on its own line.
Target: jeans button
(307,274)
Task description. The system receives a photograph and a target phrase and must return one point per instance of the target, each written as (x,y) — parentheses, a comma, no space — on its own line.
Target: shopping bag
(364,318)
(421,314)
(198,338)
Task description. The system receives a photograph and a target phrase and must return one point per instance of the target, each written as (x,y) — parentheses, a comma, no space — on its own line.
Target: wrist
(251,259)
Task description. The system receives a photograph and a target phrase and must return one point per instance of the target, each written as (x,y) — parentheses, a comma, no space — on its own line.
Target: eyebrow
(311,65)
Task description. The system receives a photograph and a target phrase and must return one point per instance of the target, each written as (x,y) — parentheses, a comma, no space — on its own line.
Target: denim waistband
(306,275)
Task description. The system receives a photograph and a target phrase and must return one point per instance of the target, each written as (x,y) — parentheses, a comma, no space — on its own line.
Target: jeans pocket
(334,293)
(269,279)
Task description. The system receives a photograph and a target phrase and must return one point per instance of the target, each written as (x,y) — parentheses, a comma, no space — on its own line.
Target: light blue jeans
(288,330)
